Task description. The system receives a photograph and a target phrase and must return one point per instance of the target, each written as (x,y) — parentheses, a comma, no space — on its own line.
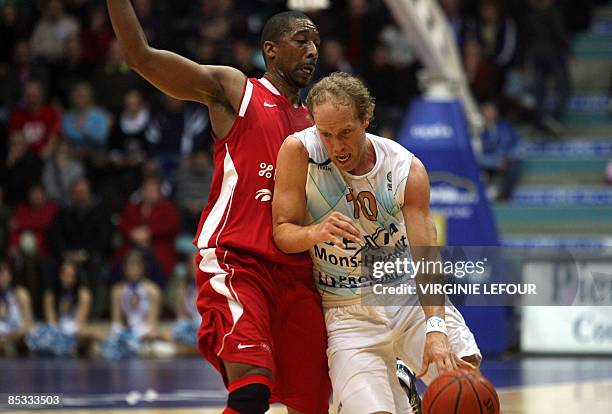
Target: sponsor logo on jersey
(263,345)
(269,105)
(321,253)
(265,170)
(389,181)
(263,195)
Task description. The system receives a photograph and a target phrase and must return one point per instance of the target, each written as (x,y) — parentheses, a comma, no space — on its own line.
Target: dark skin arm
(218,87)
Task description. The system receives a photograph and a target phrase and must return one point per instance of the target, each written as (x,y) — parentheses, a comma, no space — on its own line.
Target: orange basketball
(460,392)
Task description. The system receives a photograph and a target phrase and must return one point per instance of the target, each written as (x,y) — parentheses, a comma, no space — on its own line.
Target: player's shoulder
(309,138)
(305,134)
(391,149)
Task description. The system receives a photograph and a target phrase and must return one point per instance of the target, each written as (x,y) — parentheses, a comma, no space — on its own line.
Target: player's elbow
(278,234)
(138,57)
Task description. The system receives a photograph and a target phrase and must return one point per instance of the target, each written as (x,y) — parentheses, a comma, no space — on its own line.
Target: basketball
(460,392)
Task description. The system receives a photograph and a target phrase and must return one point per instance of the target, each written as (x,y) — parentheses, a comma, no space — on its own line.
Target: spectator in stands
(332,60)
(60,172)
(15,313)
(175,130)
(51,32)
(135,308)
(151,24)
(391,96)
(243,59)
(151,223)
(452,10)
(185,327)
(20,73)
(358,30)
(548,45)
(21,169)
(128,143)
(96,36)
(67,307)
(28,244)
(86,125)
(81,233)
(5,218)
(114,79)
(214,23)
(30,223)
(499,151)
(496,33)
(71,70)
(482,75)
(206,52)
(38,122)
(12,29)
(192,185)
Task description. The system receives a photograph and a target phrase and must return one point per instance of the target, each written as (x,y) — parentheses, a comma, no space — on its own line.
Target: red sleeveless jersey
(238,215)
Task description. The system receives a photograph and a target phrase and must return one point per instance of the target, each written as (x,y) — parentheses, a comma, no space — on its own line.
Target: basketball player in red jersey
(262,324)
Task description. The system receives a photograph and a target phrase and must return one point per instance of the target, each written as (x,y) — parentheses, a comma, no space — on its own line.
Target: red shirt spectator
(34,216)
(152,223)
(39,123)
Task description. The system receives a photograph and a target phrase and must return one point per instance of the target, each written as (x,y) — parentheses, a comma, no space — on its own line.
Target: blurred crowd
(100,171)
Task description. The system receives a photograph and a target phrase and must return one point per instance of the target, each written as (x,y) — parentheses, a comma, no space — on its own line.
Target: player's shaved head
(279,24)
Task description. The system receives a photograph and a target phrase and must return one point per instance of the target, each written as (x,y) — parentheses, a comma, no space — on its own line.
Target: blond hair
(343,89)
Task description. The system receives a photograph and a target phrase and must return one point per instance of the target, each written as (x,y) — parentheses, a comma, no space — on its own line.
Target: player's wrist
(436,324)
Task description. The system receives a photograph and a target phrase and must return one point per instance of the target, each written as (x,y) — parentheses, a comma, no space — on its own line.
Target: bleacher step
(553,219)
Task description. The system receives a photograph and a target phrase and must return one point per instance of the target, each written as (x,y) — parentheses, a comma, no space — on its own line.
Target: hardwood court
(189,386)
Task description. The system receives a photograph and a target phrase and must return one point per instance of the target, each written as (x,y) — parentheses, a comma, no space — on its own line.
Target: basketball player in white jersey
(338,188)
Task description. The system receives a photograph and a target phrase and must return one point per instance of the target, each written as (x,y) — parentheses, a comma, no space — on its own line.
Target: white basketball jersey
(10,314)
(374,201)
(135,306)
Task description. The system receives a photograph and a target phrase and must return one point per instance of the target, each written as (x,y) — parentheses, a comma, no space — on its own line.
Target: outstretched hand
(438,351)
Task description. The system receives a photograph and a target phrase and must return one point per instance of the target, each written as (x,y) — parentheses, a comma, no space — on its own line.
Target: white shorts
(363,342)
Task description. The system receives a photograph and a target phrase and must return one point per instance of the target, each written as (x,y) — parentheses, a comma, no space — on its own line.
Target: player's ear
(269,50)
(366,122)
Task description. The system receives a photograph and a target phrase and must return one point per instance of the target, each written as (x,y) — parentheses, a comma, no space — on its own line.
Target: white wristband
(436,324)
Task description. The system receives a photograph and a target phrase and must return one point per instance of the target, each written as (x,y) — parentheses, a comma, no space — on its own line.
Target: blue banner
(437,133)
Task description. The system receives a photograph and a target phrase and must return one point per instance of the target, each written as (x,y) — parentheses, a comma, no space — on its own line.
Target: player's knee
(250,399)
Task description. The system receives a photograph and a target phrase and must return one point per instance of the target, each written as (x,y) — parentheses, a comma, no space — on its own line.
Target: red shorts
(267,315)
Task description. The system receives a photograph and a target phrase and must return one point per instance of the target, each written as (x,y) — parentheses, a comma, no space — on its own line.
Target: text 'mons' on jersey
(238,214)
(373,201)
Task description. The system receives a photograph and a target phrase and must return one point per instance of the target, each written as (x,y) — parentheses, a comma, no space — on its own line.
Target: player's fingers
(348,231)
(338,242)
(462,363)
(442,364)
(450,362)
(424,368)
(347,220)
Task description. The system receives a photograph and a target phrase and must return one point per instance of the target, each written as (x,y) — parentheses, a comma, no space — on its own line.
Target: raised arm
(219,87)
(289,206)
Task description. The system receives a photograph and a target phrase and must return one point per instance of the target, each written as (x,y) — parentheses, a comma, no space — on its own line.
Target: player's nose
(312,53)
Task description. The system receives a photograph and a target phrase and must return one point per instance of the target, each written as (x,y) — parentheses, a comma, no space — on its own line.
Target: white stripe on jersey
(210,264)
(230,178)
